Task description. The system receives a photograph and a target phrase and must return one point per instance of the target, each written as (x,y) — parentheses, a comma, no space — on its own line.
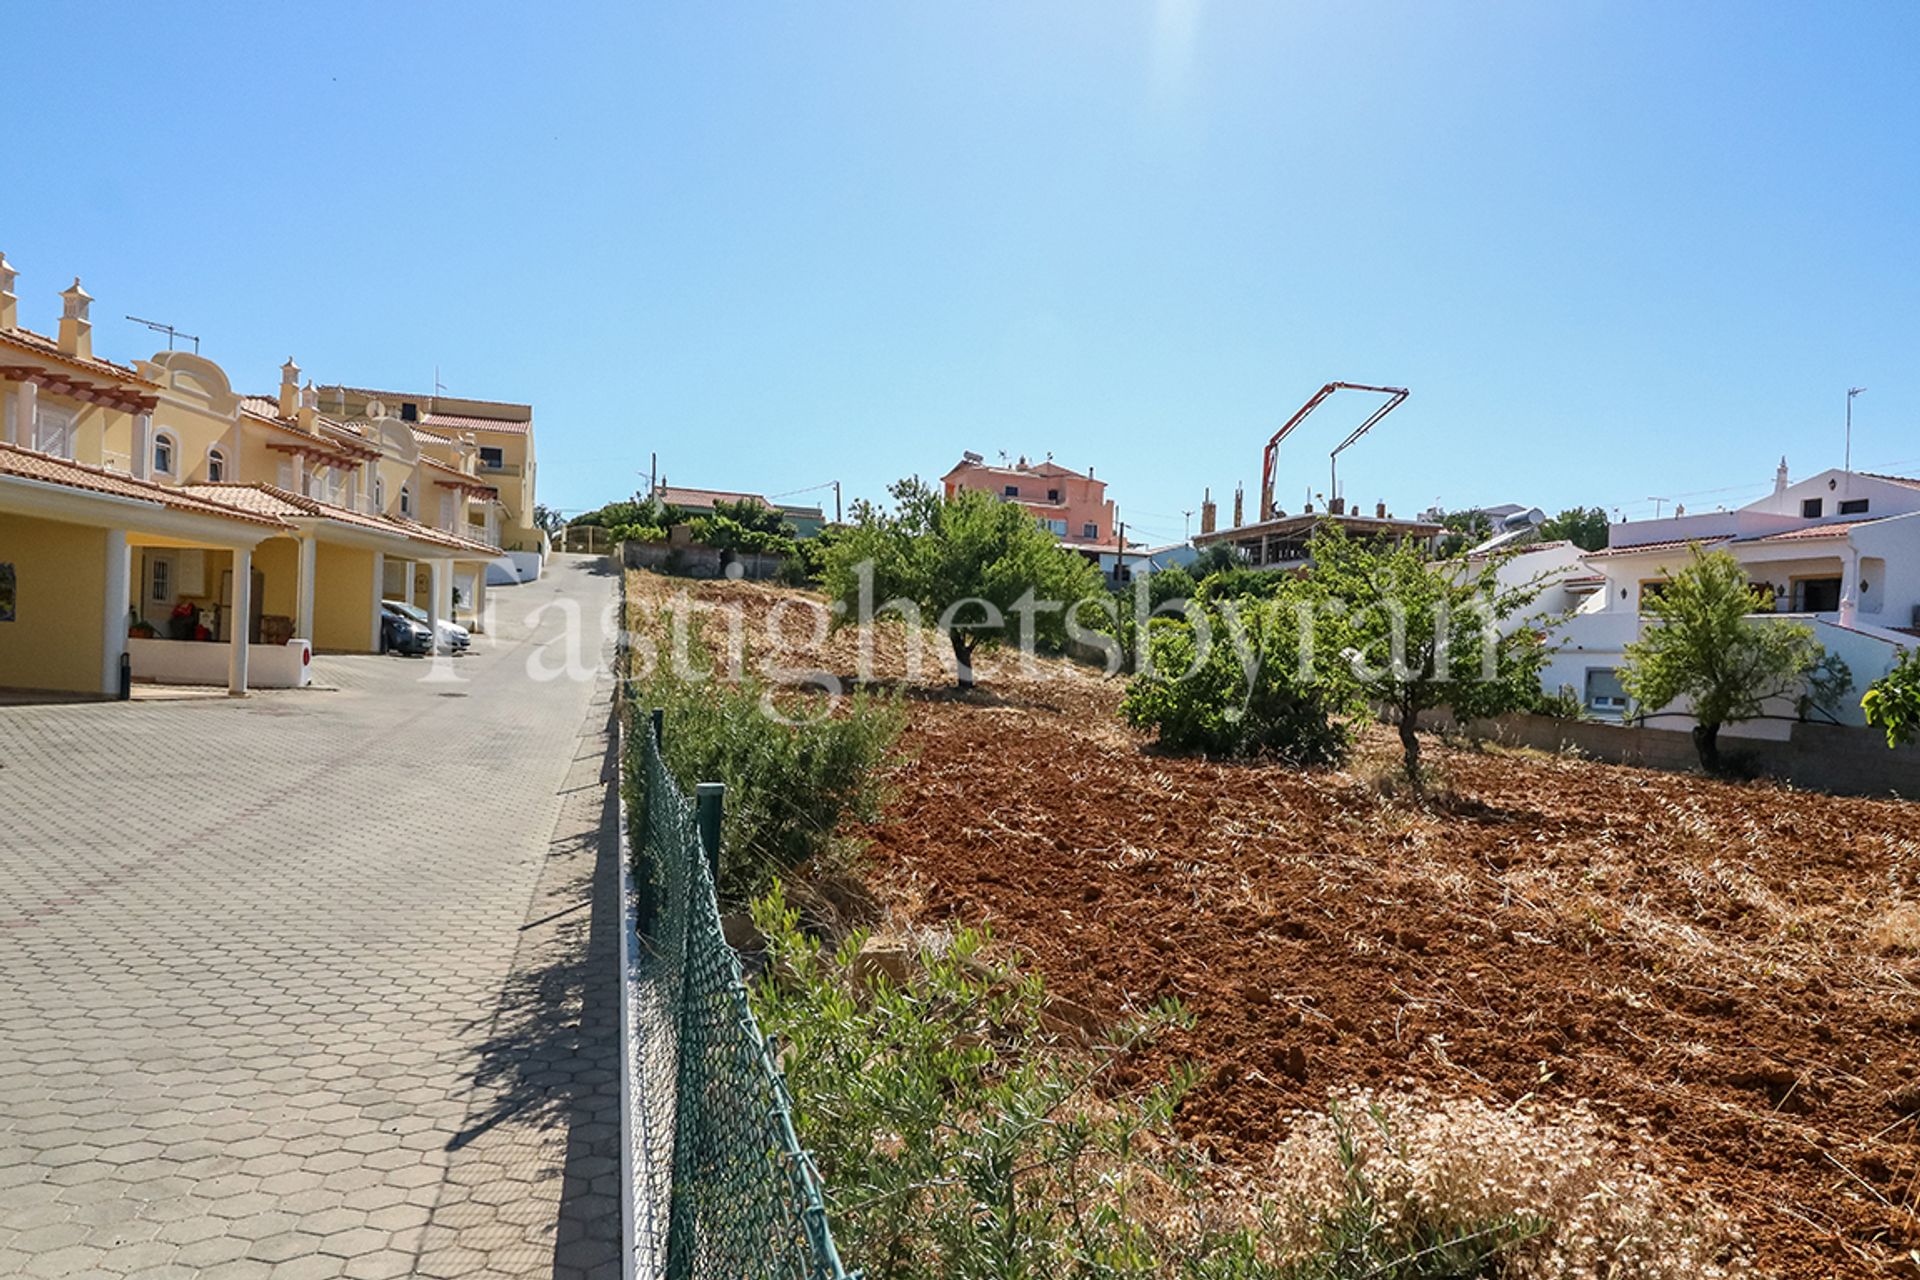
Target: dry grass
(1427,1167)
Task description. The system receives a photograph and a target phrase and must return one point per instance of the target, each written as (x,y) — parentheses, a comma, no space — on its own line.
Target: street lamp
(1851,393)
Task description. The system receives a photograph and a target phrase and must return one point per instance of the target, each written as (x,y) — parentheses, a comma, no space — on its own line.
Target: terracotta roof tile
(680,496)
(1838,529)
(30,465)
(460,422)
(1670,544)
(41,345)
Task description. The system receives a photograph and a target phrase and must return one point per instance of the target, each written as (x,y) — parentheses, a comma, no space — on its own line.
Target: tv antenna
(170,331)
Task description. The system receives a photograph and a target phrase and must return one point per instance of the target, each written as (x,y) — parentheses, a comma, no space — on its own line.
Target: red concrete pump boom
(1271,459)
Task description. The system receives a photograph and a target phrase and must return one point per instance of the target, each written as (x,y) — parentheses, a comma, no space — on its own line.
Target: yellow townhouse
(205,518)
(490,440)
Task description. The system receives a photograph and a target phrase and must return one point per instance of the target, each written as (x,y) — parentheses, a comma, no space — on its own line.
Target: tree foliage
(980,569)
(1701,644)
(1584,527)
(1240,675)
(1464,530)
(1421,634)
(1892,703)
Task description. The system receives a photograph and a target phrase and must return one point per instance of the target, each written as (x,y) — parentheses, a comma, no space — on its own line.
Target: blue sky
(1616,250)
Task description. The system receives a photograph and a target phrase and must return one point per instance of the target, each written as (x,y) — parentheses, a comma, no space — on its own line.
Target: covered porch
(71,537)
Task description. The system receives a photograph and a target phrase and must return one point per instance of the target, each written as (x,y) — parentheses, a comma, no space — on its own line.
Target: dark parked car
(401,634)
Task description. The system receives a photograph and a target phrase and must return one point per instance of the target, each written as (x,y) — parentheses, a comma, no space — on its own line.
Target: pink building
(1072,505)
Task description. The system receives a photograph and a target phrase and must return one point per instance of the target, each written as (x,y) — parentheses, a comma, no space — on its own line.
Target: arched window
(406,500)
(379,494)
(164,449)
(216,466)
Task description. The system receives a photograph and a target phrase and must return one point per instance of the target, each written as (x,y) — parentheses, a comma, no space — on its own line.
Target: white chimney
(76,331)
(1780,477)
(9,304)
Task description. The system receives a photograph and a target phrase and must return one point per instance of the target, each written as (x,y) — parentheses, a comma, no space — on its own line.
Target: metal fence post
(708,799)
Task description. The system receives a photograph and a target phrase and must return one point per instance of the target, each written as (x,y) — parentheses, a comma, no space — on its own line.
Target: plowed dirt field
(1732,969)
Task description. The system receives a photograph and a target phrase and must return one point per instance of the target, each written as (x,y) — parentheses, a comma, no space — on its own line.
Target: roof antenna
(173,333)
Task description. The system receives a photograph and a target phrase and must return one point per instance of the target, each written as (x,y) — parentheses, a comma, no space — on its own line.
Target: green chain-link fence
(722,1189)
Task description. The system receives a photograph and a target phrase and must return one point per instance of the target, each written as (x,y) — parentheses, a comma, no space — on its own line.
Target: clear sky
(1616,250)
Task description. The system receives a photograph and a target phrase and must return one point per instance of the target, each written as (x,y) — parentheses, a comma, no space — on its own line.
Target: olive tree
(985,570)
(1420,634)
(1701,644)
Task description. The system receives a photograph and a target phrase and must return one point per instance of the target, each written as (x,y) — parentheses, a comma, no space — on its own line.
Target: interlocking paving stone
(318,983)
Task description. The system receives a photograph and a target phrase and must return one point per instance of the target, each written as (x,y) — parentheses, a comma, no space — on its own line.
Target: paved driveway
(317,983)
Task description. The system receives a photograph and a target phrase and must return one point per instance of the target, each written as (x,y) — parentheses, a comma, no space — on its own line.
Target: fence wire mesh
(720,1166)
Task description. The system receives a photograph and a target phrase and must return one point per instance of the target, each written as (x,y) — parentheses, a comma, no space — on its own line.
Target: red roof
(1837,529)
(1908,481)
(29,465)
(41,345)
(682,497)
(265,497)
(1671,544)
(458,422)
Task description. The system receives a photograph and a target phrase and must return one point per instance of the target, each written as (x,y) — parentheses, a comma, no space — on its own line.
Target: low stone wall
(691,560)
(1838,759)
(269,666)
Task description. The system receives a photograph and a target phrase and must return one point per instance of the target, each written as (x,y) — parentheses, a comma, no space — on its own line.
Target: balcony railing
(499,468)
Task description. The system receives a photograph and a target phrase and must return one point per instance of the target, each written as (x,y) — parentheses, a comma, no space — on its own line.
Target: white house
(1840,551)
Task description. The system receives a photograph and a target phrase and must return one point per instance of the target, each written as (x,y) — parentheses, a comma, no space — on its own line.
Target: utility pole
(1120,551)
(653,472)
(836,502)
(1186,530)
(1851,393)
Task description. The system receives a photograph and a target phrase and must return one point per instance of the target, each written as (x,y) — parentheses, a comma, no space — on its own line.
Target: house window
(1811,507)
(1816,595)
(409,411)
(379,494)
(1090,530)
(1651,591)
(1011,491)
(1058,528)
(406,500)
(1853,506)
(53,431)
(1053,495)
(163,451)
(161,586)
(1605,697)
(216,466)
(491,458)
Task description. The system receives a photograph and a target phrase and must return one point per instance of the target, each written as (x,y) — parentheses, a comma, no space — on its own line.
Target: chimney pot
(290,398)
(1380,510)
(76,330)
(9,303)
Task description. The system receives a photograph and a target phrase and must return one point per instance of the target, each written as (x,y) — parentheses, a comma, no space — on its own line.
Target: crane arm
(1270,460)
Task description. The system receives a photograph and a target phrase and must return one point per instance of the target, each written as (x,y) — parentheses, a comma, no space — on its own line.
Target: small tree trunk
(1410,747)
(962,660)
(1706,740)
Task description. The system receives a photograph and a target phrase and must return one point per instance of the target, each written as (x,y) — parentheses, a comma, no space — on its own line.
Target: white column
(26,400)
(113,611)
(141,463)
(240,622)
(379,590)
(303,619)
(436,584)
(1850,586)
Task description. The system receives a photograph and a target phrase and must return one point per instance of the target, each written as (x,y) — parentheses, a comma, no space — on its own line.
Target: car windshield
(413,611)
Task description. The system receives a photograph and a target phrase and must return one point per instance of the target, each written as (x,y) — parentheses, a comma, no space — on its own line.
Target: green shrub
(1892,702)
(1200,697)
(959,1140)
(793,771)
